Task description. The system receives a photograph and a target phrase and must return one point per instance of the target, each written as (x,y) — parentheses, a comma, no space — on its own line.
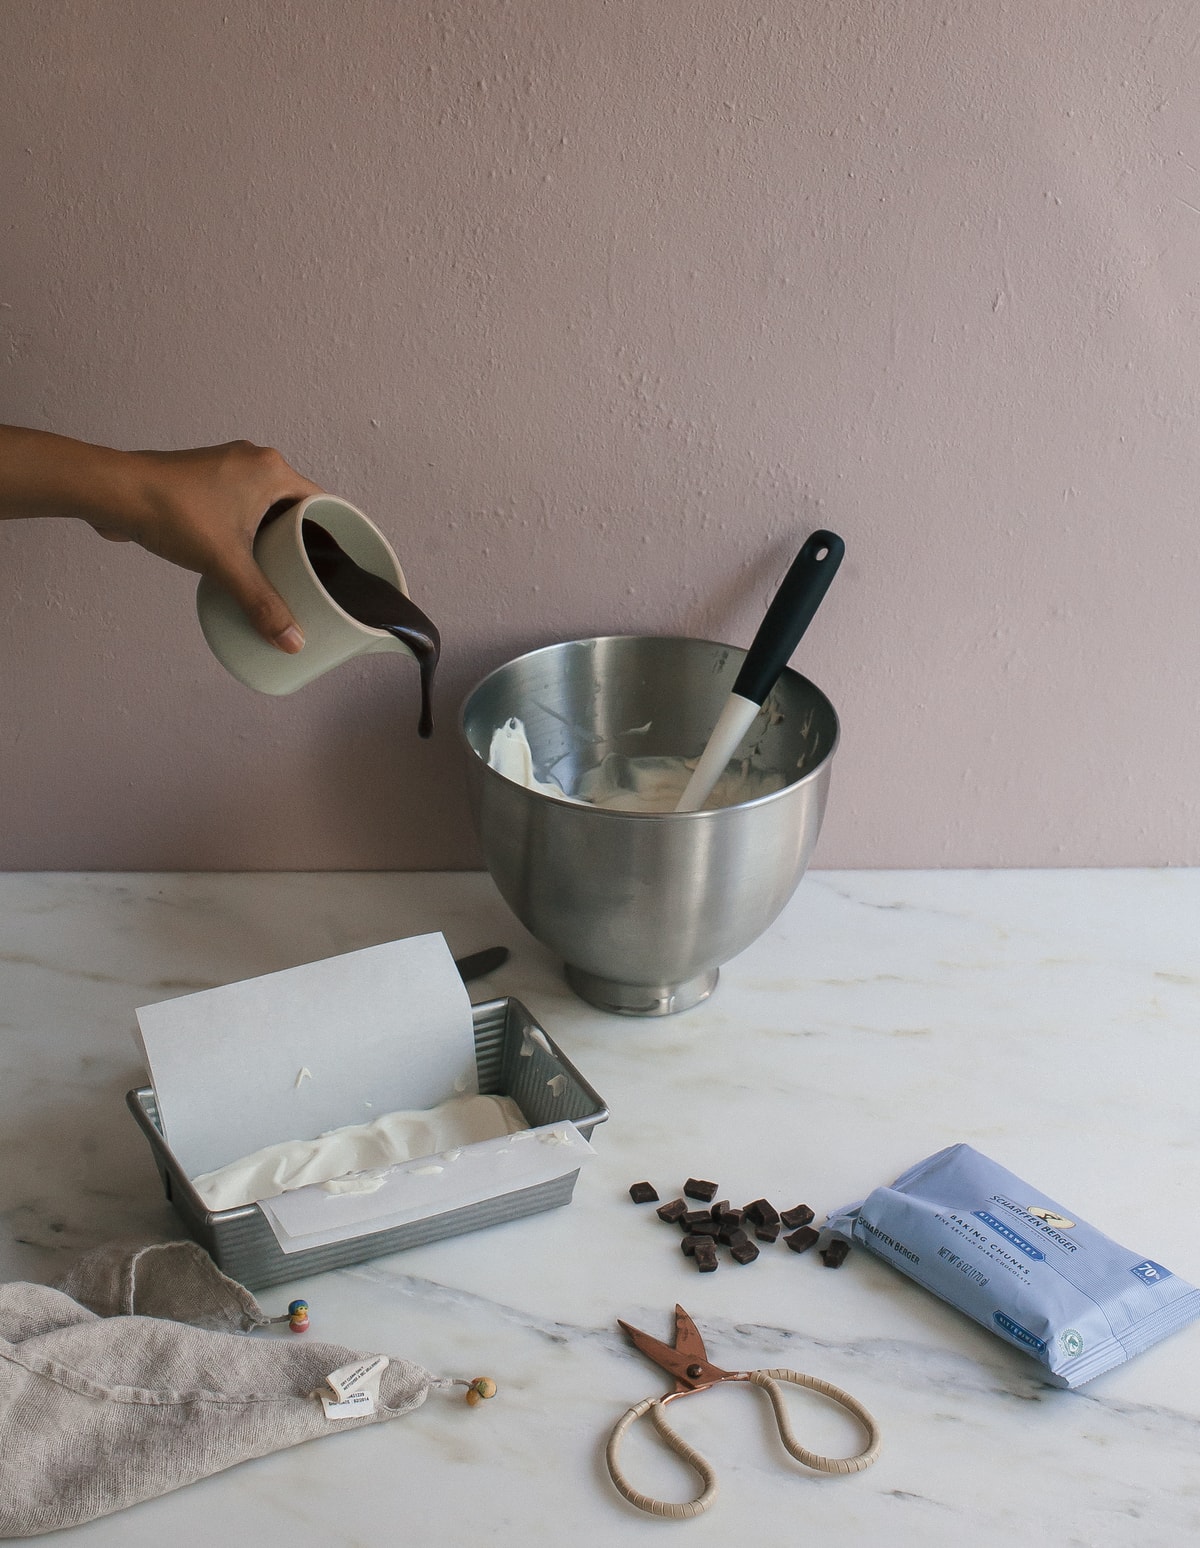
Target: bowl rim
(709,813)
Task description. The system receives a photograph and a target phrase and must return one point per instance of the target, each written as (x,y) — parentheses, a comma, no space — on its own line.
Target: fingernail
(291,640)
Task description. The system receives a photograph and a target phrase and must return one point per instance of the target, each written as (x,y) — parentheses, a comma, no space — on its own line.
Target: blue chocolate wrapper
(1019,1264)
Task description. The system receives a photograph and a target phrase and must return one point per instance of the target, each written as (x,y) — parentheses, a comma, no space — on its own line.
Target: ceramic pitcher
(331,635)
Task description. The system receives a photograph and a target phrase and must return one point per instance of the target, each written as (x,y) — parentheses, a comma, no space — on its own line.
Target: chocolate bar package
(1020,1264)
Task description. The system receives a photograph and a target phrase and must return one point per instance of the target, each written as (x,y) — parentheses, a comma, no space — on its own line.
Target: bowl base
(609,994)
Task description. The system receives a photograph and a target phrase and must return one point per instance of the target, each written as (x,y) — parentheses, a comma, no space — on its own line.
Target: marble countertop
(1048,1018)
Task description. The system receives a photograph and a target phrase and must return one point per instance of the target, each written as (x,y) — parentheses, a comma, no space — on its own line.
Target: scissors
(687,1361)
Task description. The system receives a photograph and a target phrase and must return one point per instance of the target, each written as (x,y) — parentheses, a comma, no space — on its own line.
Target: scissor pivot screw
(695,1370)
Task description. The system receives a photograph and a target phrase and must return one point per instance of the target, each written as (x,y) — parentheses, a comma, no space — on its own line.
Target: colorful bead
(298,1316)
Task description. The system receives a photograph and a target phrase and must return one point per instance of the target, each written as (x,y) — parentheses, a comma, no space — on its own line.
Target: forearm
(51,475)
(199,508)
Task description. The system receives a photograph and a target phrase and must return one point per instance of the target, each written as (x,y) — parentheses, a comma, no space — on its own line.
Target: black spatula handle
(797,600)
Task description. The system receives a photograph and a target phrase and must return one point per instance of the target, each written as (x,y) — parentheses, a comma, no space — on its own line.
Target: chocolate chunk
(643,1193)
(694,1217)
(836,1253)
(738,1238)
(728,1224)
(708,1228)
(706,1255)
(691,1242)
(767,1233)
(697,1188)
(671,1212)
(802,1240)
(744,1251)
(800,1216)
(761,1212)
(719,1209)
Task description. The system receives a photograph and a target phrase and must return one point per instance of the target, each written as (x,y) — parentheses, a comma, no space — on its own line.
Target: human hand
(201,509)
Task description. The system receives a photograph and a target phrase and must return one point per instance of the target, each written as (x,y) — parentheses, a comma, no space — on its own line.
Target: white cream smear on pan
(335,1159)
(621,784)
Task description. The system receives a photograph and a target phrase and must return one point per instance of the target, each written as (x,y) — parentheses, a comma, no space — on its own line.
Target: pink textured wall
(597,310)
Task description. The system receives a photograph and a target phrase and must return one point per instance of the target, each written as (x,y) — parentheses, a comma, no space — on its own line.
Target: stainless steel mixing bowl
(644,907)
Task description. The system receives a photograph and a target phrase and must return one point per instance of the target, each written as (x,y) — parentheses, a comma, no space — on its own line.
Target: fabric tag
(362,1376)
(355,1406)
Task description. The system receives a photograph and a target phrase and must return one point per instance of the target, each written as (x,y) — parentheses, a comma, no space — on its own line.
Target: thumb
(263,606)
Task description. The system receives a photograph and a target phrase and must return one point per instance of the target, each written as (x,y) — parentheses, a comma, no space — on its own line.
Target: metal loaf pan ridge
(515,1058)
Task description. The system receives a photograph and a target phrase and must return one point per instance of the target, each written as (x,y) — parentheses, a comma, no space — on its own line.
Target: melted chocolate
(378,604)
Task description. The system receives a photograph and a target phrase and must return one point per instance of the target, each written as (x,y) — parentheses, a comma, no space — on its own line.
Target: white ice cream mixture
(623,784)
(348,1160)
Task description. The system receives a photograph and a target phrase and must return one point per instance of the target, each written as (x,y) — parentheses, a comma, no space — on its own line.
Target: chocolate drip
(378,604)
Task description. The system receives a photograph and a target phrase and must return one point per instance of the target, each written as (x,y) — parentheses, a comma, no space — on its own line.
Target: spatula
(789,615)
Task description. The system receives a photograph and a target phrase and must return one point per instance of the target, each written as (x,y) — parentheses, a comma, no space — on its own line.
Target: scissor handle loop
(686,1453)
(769,1382)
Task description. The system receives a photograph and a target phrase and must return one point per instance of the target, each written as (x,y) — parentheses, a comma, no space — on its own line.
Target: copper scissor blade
(687,1337)
(686,1361)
